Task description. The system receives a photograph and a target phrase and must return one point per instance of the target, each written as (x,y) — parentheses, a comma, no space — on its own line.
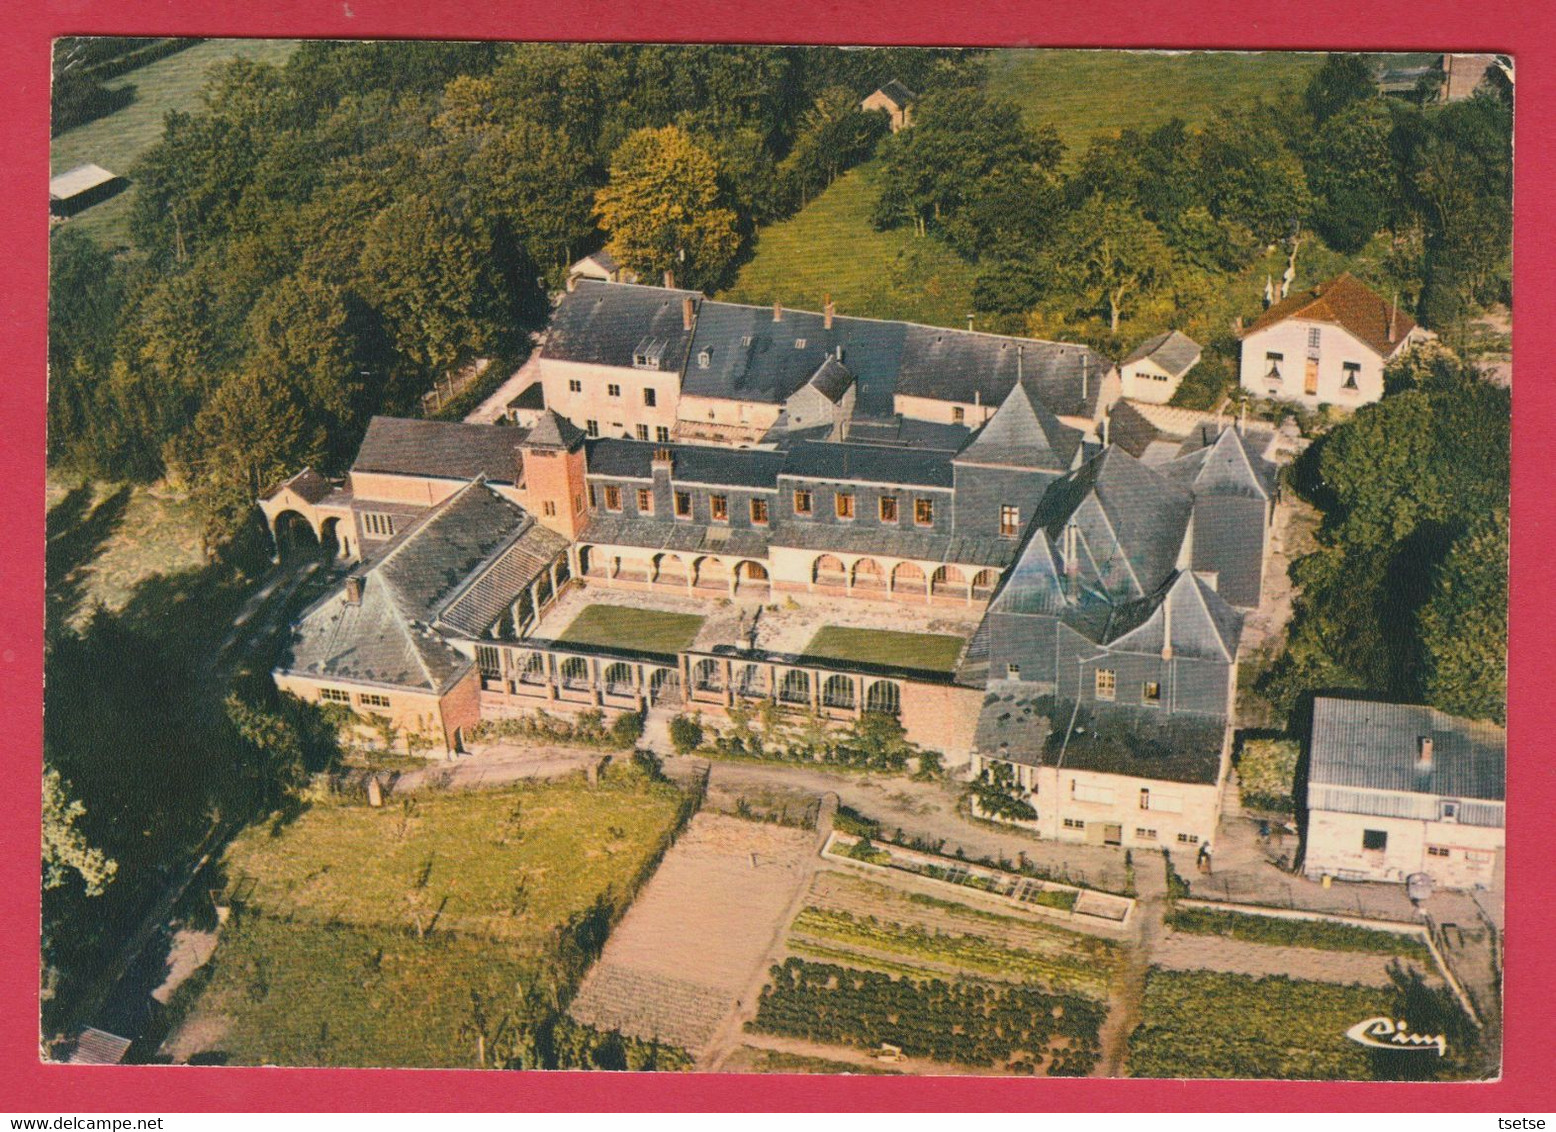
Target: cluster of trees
(320,241)
(1406,595)
(1142,230)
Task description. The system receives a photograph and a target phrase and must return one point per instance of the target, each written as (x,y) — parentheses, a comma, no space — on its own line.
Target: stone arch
(575,673)
(295,537)
(751,573)
(883,696)
(838,692)
(586,556)
(710,571)
(984,582)
(869,574)
(909,577)
(330,544)
(708,675)
(828,570)
(670,569)
(619,680)
(794,688)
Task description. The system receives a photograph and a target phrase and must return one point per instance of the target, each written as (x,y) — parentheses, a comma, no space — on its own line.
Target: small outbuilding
(599,265)
(897,100)
(1154,369)
(82,187)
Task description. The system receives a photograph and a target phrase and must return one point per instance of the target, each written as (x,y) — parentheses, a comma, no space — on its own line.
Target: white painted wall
(1336,347)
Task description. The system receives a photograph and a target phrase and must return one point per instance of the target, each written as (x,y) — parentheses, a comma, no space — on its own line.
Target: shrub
(627,729)
(1267,773)
(685,734)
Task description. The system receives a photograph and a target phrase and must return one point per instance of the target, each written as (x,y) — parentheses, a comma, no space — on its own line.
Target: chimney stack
(1393,317)
(669,280)
(1167,626)
(1107,419)
(777,311)
(1424,752)
(686,313)
(354,586)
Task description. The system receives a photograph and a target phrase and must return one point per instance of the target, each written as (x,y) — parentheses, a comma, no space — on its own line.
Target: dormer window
(799,343)
(649,353)
(705,359)
(746,341)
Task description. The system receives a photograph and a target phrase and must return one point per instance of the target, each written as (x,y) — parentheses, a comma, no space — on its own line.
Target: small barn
(897,100)
(1154,369)
(82,187)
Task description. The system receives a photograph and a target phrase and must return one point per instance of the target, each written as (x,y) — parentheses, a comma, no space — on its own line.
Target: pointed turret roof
(1022,433)
(1202,624)
(553,431)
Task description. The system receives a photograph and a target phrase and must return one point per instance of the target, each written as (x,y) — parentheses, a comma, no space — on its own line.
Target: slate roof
(1222,466)
(440,449)
(533,397)
(1130,521)
(478,604)
(554,431)
(602,258)
(896,542)
(1022,433)
(1172,350)
(605,323)
(1369,745)
(965,366)
(907,432)
(1347,302)
(832,379)
(681,538)
(1203,626)
(693,463)
(1035,584)
(387,637)
(308,484)
(894,90)
(869,463)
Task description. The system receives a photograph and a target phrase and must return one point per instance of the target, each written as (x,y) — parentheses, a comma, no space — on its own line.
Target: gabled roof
(602,259)
(307,484)
(387,637)
(1022,433)
(690,463)
(1175,352)
(1203,625)
(894,90)
(553,431)
(606,323)
(1033,584)
(439,449)
(1347,302)
(959,365)
(1375,746)
(869,463)
(1223,466)
(831,379)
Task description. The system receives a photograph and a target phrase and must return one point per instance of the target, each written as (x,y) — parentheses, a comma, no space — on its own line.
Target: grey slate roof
(1370,745)
(832,379)
(554,431)
(894,90)
(960,365)
(693,463)
(1174,351)
(1022,433)
(481,600)
(681,538)
(907,432)
(387,638)
(533,397)
(605,323)
(896,542)
(1222,463)
(307,483)
(1204,626)
(440,449)
(869,463)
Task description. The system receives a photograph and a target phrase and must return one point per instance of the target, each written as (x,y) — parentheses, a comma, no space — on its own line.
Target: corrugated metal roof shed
(1376,746)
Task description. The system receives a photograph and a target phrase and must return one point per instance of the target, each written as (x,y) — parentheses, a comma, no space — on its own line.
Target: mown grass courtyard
(627,627)
(924,652)
(434,931)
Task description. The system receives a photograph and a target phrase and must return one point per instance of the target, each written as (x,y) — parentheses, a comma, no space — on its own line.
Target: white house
(599,265)
(1326,345)
(1399,789)
(1154,369)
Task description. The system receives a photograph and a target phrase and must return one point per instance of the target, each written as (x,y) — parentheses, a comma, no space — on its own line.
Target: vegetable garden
(1323,934)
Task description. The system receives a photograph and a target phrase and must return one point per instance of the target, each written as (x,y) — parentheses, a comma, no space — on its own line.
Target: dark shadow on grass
(76,533)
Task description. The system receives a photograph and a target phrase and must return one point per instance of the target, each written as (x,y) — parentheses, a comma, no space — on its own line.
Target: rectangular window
(373,699)
(718,506)
(1106,683)
(683,505)
(888,508)
(759,512)
(958,415)
(378,524)
(489,660)
(1150,692)
(844,503)
(662,434)
(799,343)
(1352,373)
(802,503)
(1314,336)
(1013,672)
(612,389)
(645,501)
(1438,851)
(1145,799)
(1272,370)
(641,431)
(612,498)
(1375,840)
(1010,520)
(1145,834)
(1188,838)
(574,385)
(548,509)
(1074,823)
(1448,811)
(334,696)
(924,512)
(650,398)
(592,428)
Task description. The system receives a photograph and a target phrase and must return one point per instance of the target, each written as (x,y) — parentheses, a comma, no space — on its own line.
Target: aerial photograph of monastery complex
(757,559)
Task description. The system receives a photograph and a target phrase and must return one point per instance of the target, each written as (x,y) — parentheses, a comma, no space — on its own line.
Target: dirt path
(1124,1005)
(915,1066)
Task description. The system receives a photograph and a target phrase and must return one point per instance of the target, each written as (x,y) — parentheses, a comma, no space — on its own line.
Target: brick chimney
(669,280)
(686,313)
(354,585)
(1424,752)
(777,311)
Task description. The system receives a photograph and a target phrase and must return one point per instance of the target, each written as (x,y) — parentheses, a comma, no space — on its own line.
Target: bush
(1267,773)
(626,730)
(685,734)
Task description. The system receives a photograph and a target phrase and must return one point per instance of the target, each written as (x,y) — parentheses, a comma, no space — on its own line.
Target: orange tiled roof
(1347,302)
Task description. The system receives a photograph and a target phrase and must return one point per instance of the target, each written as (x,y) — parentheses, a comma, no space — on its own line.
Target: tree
(685,734)
(1463,626)
(1351,173)
(65,848)
(1103,258)
(663,208)
(1251,176)
(1340,82)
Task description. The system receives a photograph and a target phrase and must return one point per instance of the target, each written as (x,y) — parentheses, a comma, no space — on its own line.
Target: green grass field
(1083,94)
(831,248)
(117,140)
(324,964)
(931,652)
(621,626)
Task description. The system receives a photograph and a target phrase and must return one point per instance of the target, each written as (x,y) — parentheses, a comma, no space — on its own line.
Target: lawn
(1083,94)
(116,140)
(831,248)
(926,652)
(1213,1024)
(386,936)
(624,627)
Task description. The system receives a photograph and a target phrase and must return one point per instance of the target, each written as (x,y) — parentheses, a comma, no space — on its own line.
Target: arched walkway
(710,574)
(984,582)
(670,569)
(948,581)
(295,538)
(751,577)
(619,680)
(883,696)
(869,575)
(908,579)
(828,570)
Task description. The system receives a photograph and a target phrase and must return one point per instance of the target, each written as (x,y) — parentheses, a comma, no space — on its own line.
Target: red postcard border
(1525,28)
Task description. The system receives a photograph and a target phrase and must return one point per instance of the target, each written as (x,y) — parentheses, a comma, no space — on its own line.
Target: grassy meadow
(933,652)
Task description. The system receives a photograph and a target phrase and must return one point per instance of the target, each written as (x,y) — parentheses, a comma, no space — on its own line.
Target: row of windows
(1140,833)
(612,389)
(377,523)
(341,696)
(1106,685)
(843,507)
(1272,374)
(661,433)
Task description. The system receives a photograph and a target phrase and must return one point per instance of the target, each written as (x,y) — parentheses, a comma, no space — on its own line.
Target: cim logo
(1386,1033)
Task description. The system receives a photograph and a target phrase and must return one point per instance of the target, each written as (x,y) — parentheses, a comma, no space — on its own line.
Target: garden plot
(701,932)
